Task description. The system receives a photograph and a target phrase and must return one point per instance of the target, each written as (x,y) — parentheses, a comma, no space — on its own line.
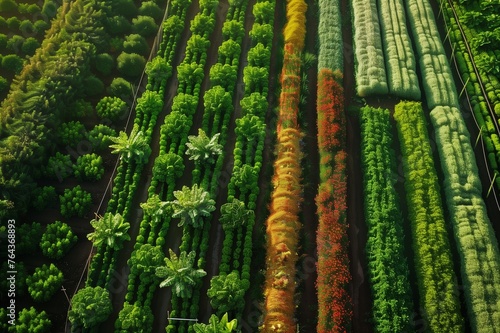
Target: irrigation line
(472,111)
(154,48)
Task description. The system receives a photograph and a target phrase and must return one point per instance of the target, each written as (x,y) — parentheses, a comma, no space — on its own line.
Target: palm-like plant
(131,147)
(110,230)
(155,208)
(180,274)
(216,325)
(191,205)
(202,148)
(234,214)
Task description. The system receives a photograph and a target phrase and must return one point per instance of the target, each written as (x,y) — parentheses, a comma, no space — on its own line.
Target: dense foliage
(89,307)
(387,262)
(57,240)
(400,62)
(45,282)
(474,235)
(75,202)
(433,258)
(371,77)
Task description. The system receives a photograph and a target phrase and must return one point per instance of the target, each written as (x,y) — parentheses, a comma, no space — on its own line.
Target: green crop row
(371,76)
(437,283)
(330,36)
(399,58)
(474,235)
(387,264)
(436,74)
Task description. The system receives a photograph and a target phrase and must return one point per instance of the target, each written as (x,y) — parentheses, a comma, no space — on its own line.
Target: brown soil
(307,311)
(360,289)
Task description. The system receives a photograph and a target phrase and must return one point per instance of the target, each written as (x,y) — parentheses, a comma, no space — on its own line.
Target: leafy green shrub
(3,41)
(144,26)
(93,86)
(99,137)
(28,239)
(34,9)
(59,167)
(30,45)
(71,133)
(166,166)
(44,197)
(41,26)
(135,43)
(13,23)
(126,8)
(131,65)
(111,108)
(89,167)
(49,9)
(57,240)
(44,283)
(4,84)
(120,88)
(133,318)
(30,320)
(8,6)
(104,63)
(27,28)
(75,202)
(118,25)
(150,8)
(82,108)
(89,307)
(116,45)
(15,43)
(226,293)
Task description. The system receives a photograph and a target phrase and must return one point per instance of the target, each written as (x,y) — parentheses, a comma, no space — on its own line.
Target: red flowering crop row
(334,301)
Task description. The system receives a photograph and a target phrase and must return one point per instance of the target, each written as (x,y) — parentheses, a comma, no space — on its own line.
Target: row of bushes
(474,235)
(437,282)
(437,78)
(387,263)
(334,300)
(283,224)
(399,59)
(371,77)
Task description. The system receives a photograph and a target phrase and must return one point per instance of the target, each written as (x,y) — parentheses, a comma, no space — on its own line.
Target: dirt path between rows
(360,289)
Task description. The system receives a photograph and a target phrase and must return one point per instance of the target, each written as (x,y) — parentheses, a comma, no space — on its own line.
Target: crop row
(437,283)
(250,133)
(387,263)
(436,74)
(399,59)
(283,225)
(218,103)
(474,235)
(330,36)
(371,77)
(475,239)
(474,91)
(334,300)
